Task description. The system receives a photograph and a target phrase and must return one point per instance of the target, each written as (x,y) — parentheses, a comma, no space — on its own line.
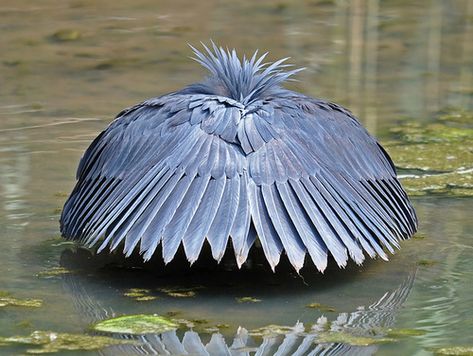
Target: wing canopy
(299,173)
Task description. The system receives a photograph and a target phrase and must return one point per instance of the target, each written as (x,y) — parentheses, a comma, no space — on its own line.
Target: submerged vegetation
(454,351)
(436,158)
(140,294)
(321,307)
(53,272)
(49,342)
(180,292)
(248,300)
(7,300)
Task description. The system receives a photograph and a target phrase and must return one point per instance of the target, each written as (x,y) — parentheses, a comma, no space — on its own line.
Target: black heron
(239,157)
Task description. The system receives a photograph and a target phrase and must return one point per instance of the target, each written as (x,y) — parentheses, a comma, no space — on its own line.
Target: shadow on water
(356,320)
(255,275)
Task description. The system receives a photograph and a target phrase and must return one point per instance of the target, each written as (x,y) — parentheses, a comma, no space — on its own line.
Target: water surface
(68,67)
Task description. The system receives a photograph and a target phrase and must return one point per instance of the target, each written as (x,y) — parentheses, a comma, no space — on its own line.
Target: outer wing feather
(220,229)
(268,236)
(284,226)
(242,237)
(195,235)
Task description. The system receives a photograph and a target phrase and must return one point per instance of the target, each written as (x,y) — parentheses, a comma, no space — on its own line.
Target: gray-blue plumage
(239,158)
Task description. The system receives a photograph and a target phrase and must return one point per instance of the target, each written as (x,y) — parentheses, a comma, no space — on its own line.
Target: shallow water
(68,67)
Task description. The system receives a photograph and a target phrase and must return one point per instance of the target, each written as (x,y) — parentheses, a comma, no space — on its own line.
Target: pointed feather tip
(321,265)
(192,259)
(358,258)
(240,259)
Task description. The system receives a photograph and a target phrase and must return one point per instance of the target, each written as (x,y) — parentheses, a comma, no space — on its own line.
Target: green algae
(431,133)
(456,115)
(419,236)
(222,326)
(24,324)
(173,313)
(184,322)
(178,292)
(271,330)
(200,321)
(115,63)
(341,337)
(427,263)
(454,351)
(399,333)
(321,307)
(7,300)
(140,294)
(146,298)
(182,294)
(442,157)
(53,272)
(136,324)
(50,342)
(458,183)
(248,300)
(440,154)
(66,35)
(136,292)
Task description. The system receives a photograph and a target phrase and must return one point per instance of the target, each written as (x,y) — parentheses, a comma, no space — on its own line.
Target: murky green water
(67,67)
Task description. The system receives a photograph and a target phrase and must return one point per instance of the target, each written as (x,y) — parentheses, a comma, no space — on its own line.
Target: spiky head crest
(243,80)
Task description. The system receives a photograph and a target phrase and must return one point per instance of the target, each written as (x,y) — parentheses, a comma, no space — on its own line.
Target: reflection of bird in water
(239,156)
(94,305)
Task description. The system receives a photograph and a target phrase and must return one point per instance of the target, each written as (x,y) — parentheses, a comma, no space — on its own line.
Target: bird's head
(244,80)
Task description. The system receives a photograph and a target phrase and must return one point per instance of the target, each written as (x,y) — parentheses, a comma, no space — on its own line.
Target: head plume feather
(243,80)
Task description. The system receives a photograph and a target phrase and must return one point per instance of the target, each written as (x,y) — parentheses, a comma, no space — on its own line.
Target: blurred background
(68,67)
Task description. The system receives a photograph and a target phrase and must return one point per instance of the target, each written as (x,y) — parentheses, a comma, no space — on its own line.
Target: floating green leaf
(54,342)
(248,300)
(136,324)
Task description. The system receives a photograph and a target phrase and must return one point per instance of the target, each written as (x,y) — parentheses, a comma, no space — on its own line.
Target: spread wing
(323,185)
(301,174)
(161,174)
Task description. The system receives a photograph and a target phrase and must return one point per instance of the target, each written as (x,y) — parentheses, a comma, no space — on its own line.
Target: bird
(237,159)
